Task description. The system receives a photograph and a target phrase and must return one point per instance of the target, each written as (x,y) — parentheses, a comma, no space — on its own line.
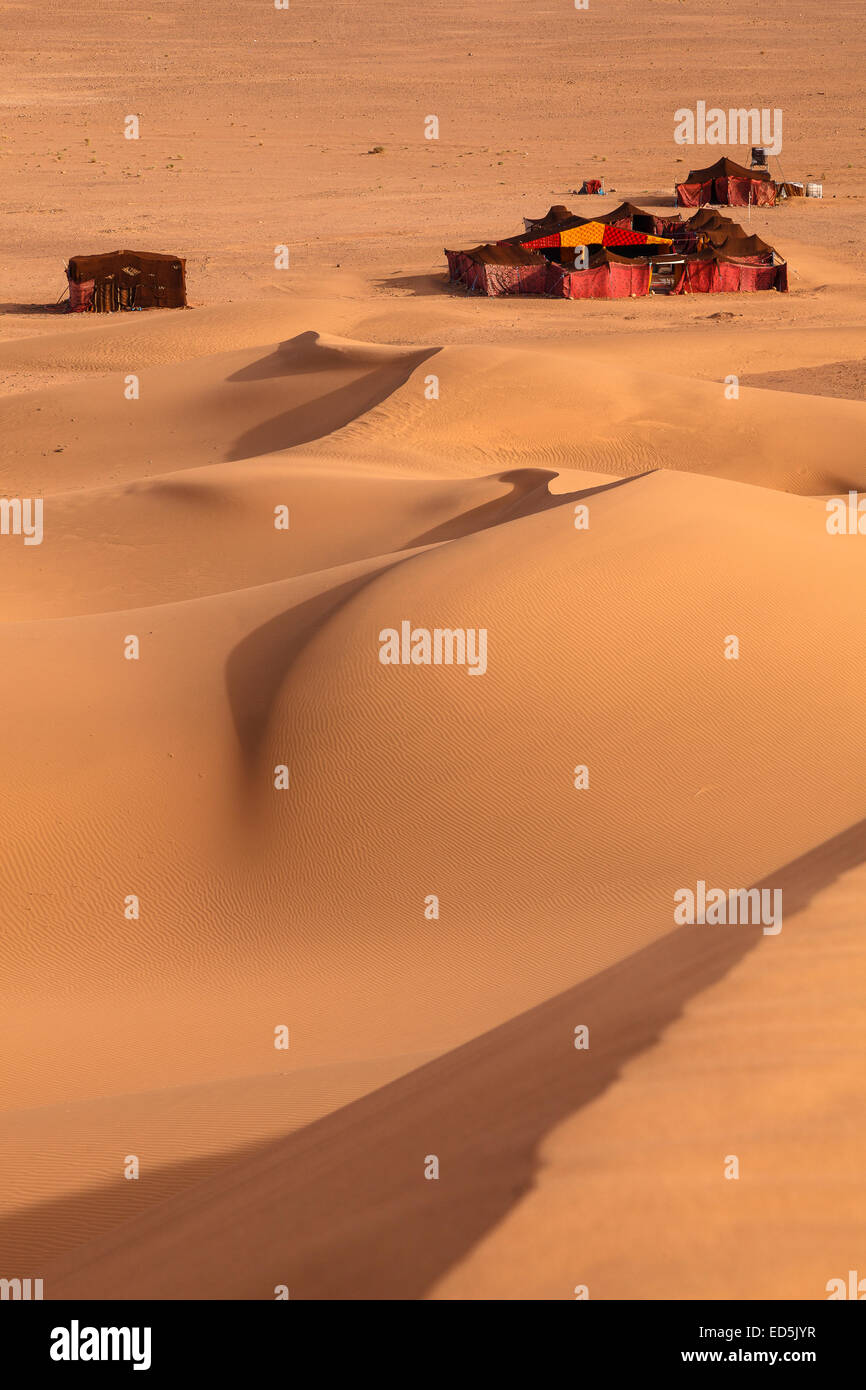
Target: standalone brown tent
(729,169)
(728,183)
(126,280)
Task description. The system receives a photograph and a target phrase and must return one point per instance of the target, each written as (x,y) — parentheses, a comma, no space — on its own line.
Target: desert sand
(310,389)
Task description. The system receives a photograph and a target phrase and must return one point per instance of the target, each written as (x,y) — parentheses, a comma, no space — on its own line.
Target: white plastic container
(814,190)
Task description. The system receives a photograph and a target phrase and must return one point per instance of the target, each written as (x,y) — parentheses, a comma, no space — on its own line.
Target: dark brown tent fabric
(558,213)
(131,279)
(602,255)
(719,254)
(625,210)
(544,228)
(564,219)
(503,254)
(708,217)
(726,169)
(735,242)
(87,267)
(725,237)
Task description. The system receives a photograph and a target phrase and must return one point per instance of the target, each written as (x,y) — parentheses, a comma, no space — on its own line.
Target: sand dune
(431,411)
(287,671)
(166,906)
(287,396)
(355,1219)
(501,404)
(211,530)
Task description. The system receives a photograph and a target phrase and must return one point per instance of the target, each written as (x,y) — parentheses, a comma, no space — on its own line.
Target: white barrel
(814,190)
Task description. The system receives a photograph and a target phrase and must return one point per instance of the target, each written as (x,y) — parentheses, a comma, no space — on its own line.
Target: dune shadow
(341,1209)
(259,664)
(847,382)
(328,410)
(296,356)
(529,495)
(257,667)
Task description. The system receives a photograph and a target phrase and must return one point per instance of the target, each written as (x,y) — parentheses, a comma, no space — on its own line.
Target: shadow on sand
(41,309)
(362,390)
(340,1209)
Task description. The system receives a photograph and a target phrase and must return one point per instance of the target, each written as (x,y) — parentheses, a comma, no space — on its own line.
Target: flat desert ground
(144,1038)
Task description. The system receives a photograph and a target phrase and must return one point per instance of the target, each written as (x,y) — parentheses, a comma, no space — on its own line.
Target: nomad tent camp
(125,280)
(621,257)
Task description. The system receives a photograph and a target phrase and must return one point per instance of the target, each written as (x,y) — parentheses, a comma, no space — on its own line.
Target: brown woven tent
(729,183)
(502,253)
(725,168)
(498,269)
(625,213)
(602,255)
(561,218)
(709,217)
(126,280)
(734,241)
(555,214)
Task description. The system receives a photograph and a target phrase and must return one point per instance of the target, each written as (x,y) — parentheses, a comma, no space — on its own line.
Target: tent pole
(781,170)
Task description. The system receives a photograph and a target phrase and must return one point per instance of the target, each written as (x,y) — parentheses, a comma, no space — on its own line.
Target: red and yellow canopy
(593,234)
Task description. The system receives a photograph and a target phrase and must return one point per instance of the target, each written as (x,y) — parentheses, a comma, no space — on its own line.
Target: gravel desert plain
(341,977)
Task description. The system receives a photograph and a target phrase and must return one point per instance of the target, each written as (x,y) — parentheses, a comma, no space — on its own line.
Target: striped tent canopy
(591,234)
